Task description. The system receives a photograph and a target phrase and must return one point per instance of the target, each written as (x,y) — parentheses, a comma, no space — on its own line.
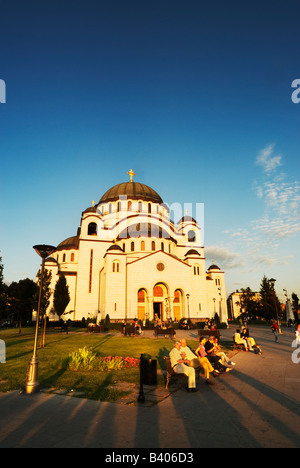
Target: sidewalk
(255,405)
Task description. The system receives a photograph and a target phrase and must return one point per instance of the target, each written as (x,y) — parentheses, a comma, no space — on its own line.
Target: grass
(53,361)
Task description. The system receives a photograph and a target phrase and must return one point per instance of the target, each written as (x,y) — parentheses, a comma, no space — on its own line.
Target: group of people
(242,337)
(207,356)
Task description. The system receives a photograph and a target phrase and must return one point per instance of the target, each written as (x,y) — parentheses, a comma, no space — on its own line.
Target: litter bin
(149,372)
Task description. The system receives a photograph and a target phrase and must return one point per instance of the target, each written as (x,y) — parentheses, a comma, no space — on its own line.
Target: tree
(21,296)
(61,296)
(250,303)
(46,292)
(269,300)
(296,307)
(3,295)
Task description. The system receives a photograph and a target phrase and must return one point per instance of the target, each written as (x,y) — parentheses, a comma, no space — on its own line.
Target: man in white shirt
(180,366)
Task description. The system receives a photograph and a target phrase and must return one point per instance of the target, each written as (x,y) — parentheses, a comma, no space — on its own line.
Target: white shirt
(175,356)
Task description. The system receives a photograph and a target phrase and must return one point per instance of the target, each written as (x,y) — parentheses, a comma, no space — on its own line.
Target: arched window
(153,246)
(129,206)
(158,291)
(72,257)
(119,206)
(64,257)
(116,266)
(191,236)
(141,295)
(140,206)
(162,247)
(92,229)
(142,246)
(196,270)
(132,247)
(149,208)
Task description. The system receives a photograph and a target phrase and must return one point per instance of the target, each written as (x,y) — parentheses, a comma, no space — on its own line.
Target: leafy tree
(46,292)
(250,303)
(269,300)
(296,306)
(61,296)
(21,298)
(3,295)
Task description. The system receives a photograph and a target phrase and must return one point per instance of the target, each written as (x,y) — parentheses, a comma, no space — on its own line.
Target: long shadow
(276,397)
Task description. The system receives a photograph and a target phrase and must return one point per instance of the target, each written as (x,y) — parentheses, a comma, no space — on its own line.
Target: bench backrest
(215,333)
(168,365)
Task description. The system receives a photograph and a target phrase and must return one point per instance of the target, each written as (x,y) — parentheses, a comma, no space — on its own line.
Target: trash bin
(149,372)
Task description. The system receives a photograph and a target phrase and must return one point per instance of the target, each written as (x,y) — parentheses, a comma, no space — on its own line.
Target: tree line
(19,299)
(269,306)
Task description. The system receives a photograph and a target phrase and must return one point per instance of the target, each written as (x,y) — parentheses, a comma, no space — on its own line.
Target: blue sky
(194,96)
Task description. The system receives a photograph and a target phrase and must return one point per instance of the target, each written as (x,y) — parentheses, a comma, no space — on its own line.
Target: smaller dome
(70,243)
(114,247)
(91,209)
(192,252)
(214,267)
(187,219)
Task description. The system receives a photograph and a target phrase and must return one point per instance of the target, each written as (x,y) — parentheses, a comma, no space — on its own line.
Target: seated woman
(224,358)
(239,340)
(206,349)
(245,336)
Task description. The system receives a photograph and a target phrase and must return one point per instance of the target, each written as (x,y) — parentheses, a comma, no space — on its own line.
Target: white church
(129,260)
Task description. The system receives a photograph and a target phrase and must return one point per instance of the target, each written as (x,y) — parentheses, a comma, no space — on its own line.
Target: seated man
(197,362)
(245,336)
(180,366)
(212,357)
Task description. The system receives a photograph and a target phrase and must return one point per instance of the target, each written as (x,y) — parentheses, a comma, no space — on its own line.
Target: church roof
(133,191)
(192,252)
(70,243)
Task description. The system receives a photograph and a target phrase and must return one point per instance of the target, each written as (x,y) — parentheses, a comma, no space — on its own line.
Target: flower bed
(85,359)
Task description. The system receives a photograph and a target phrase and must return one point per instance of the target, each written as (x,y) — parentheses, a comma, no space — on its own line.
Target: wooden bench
(164,331)
(96,329)
(209,333)
(237,345)
(170,371)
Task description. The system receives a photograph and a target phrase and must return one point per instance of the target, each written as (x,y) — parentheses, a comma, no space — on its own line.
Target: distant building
(235,305)
(130,260)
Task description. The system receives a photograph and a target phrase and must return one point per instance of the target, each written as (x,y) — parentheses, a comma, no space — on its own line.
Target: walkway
(255,405)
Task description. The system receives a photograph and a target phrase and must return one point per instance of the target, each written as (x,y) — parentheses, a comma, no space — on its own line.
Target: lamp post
(188,303)
(31,384)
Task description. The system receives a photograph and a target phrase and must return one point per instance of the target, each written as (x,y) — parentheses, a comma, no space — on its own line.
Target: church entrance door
(157,310)
(160,294)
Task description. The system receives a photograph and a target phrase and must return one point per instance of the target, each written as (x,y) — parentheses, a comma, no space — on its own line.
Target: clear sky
(194,96)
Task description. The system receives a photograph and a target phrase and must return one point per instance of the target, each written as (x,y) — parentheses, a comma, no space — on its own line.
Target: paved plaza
(255,405)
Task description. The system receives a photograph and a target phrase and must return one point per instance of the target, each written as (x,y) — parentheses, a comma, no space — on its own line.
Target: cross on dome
(131,174)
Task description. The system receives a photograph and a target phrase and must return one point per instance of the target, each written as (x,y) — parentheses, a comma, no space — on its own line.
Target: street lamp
(31,384)
(188,302)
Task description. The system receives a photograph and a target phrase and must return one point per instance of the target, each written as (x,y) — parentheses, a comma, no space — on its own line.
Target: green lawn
(53,369)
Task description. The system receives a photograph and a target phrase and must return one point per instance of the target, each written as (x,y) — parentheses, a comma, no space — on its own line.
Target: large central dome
(133,191)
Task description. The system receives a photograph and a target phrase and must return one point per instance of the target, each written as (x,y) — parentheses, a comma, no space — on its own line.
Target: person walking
(275,330)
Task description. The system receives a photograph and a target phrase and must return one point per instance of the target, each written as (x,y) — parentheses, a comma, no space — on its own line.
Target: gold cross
(131,174)
(93,203)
